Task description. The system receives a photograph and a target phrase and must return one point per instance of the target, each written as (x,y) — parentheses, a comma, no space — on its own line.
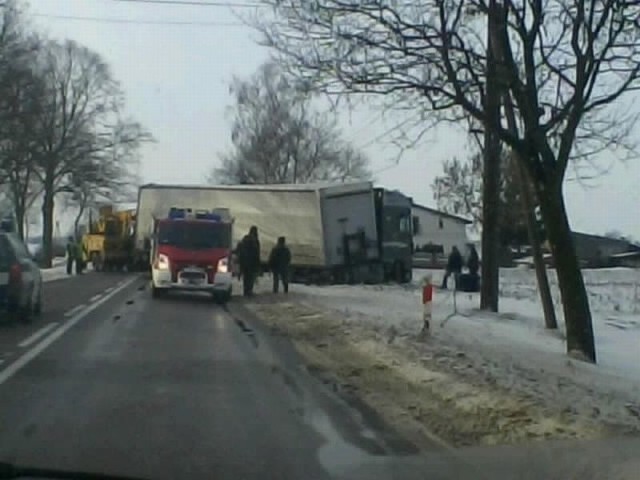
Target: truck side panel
(293,214)
(348,213)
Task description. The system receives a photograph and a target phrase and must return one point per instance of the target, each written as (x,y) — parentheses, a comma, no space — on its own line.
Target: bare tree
(567,64)
(81,126)
(279,137)
(458,190)
(107,175)
(20,105)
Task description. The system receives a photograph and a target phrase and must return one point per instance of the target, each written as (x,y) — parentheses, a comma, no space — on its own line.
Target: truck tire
(398,272)
(408,277)
(96,262)
(158,292)
(222,298)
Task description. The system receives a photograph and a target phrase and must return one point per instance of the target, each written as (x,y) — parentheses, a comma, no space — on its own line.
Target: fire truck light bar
(183,213)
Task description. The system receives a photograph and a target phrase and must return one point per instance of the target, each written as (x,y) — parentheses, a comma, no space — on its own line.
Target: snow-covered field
(500,357)
(614,296)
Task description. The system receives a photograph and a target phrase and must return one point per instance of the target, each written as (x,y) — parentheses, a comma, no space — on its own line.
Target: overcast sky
(175,63)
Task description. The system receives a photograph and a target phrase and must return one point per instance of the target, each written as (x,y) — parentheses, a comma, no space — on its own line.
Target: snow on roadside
(56,272)
(614,300)
(511,350)
(414,394)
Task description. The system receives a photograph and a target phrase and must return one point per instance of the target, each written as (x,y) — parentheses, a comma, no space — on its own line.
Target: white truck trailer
(336,232)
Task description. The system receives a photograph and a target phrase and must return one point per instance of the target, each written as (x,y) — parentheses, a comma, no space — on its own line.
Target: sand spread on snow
(413,393)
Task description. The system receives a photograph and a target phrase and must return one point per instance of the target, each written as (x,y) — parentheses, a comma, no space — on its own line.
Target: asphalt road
(116,382)
(109,380)
(62,299)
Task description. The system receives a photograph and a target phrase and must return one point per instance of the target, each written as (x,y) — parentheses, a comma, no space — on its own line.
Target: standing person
(243,262)
(81,257)
(279,262)
(250,260)
(454,266)
(71,254)
(78,258)
(473,262)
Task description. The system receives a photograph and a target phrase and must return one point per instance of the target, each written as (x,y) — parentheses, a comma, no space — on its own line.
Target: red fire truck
(191,251)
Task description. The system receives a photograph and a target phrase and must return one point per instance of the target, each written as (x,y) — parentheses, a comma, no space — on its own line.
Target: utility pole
(491,173)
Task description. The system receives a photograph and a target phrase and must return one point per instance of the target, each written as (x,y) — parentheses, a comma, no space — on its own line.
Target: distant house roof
(435,211)
(620,242)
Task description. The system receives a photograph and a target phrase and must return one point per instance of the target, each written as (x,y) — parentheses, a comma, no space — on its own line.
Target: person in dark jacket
(249,259)
(473,262)
(454,266)
(72,251)
(279,262)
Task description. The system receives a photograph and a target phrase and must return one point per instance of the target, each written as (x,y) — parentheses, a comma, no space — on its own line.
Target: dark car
(20,279)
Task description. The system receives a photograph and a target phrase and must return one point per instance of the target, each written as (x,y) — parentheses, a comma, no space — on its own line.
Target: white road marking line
(74,310)
(36,336)
(29,355)
(108,290)
(95,297)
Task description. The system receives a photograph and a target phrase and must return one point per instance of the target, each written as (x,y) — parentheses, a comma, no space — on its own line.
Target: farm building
(435,232)
(596,251)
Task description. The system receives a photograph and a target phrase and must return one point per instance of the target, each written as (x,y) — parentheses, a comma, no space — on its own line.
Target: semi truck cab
(395,234)
(191,251)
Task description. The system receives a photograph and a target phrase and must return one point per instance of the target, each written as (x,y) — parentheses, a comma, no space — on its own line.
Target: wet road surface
(171,388)
(109,380)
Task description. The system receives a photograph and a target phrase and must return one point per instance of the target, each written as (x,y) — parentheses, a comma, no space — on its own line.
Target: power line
(387,132)
(191,3)
(379,117)
(384,169)
(140,22)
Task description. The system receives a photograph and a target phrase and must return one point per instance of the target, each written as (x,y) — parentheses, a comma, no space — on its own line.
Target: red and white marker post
(427,300)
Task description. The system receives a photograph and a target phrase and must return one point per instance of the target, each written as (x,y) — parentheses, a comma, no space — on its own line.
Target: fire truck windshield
(194,235)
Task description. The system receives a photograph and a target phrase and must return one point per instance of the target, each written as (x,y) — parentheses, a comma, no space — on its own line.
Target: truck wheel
(222,298)
(408,277)
(398,272)
(158,292)
(96,262)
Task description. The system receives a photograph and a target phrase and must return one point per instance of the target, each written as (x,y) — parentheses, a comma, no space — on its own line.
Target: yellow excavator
(108,244)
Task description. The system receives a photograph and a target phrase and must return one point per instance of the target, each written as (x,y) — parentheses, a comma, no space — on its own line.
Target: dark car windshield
(195,234)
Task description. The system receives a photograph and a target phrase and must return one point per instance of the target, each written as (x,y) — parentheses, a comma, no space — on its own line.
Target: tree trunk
(550,320)
(47,225)
(535,241)
(575,302)
(19,211)
(76,222)
(490,289)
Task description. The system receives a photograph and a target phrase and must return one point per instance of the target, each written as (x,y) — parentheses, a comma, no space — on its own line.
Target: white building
(438,229)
